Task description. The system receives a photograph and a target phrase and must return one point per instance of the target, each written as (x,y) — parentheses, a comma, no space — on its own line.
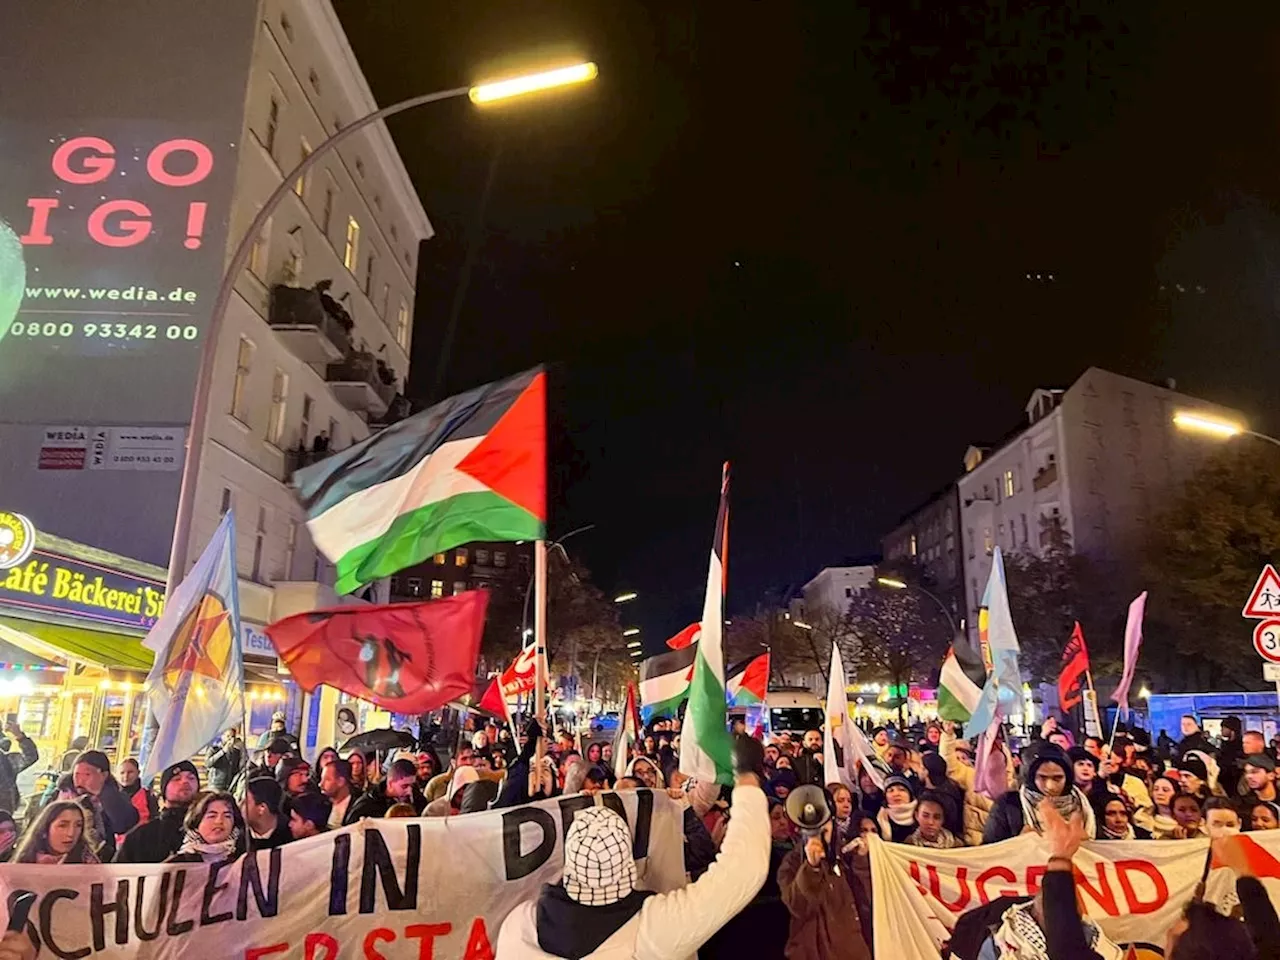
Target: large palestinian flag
(470,468)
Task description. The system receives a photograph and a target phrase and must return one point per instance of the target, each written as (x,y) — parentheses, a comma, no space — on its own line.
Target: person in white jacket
(597,913)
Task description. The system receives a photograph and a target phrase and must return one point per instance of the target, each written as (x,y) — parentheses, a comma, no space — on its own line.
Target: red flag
(404,657)
(1075,668)
(1248,853)
(494,701)
(686,637)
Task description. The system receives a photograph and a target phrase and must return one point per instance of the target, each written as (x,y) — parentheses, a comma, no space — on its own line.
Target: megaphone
(807,808)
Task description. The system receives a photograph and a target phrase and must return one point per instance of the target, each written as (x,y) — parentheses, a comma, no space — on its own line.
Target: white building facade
(1102,458)
(832,589)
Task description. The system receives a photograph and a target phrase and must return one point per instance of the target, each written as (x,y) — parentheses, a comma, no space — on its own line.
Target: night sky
(799,237)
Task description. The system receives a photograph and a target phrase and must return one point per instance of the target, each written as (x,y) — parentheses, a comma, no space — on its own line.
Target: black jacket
(119,815)
(279,836)
(374,803)
(566,928)
(157,841)
(808,768)
(14,764)
(1005,819)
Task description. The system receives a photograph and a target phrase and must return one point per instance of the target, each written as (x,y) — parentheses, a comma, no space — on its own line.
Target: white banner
(1133,890)
(387,889)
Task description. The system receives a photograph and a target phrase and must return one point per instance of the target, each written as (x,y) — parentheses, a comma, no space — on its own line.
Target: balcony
(305,327)
(360,386)
(297,458)
(1045,477)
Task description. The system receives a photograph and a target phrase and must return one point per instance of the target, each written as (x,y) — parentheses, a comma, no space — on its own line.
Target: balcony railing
(1045,477)
(298,458)
(359,386)
(310,332)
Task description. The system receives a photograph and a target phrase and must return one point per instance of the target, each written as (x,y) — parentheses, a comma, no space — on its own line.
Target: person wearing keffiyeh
(1048,777)
(215,831)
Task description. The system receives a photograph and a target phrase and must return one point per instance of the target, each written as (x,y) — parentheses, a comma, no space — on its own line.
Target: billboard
(116,176)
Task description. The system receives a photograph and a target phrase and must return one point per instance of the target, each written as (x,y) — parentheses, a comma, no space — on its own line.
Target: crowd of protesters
(761,882)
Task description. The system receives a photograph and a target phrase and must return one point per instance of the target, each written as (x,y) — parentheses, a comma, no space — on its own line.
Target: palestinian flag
(628,733)
(960,685)
(748,682)
(664,682)
(472,467)
(706,750)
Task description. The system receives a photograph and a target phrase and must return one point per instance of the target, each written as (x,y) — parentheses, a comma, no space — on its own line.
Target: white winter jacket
(672,926)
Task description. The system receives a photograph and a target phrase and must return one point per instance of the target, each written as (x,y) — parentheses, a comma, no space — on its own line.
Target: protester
(57,836)
(1084,774)
(960,769)
(276,732)
(214,831)
(952,793)
(1188,817)
(824,918)
(144,801)
(597,910)
(8,836)
(359,779)
(1259,778)
(1115,819)
(308,815)
(1198,776)
(808,764)
(1192,738)
(1163,791)
(841,814)
(335,783)
(872,797)
(114,814)
(1048,776)
(1221,818)
(294,775)
(399,786)
(400,811)
(266,826)
(897,818)
(931,831)
(1264,815)
(13,764)
(159,839)
(225,761)
(323,759)
(277,749)
(647,772)
(781,784)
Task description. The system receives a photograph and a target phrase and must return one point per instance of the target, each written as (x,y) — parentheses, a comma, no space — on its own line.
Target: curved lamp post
(1215,427)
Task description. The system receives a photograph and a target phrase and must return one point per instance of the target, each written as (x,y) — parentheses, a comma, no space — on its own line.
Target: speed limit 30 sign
(1266,639)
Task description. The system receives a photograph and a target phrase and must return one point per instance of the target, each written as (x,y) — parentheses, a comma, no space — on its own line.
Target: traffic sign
(1264,601)
(1266,640)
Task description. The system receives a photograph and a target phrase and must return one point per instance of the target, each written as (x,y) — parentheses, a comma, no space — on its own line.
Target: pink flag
(990,773)
(1132,641)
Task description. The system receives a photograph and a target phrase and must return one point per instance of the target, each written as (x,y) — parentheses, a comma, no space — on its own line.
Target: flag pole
(540,653)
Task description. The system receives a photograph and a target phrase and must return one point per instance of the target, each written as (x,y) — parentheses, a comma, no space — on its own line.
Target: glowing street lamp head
(1211,425)
(625,597)
(891,582)
(532,83)
(630,631)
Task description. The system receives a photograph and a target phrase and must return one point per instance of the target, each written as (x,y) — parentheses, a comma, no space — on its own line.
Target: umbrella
(380,740)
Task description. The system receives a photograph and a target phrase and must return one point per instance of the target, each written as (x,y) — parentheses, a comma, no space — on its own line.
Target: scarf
(1164,826)
(1108,834)
(1019,937)
(1071,802)
(904,815)
(192,842)
(94,829)
(945,840)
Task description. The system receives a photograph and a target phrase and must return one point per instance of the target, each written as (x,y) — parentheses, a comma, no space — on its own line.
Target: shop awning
(110,651)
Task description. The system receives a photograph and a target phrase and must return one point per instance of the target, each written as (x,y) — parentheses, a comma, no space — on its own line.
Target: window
(285,26)
(351,254)
(226,502)
(1008,483)
(300,185)
(258,253)
(368,272)
(415,587)
(499,558)
(848,591)
(326,212)
(987,544)
(460,557)
(1024,530)
(240,389)
(913,545)
(313,78)
(482,557)
(290,548)
(304,426)
(386,301)
(259,539)
(395,586)
(968,535)
(279,406)
(293,265)
(402,324)
(439,559)
(437,589)
(459,586)
(273,125)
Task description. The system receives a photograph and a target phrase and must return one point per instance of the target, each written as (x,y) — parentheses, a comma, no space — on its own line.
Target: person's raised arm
(1063,931)
(1259,913)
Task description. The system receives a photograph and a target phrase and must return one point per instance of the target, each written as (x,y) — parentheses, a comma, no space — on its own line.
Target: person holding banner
(215,831)
(1048,777)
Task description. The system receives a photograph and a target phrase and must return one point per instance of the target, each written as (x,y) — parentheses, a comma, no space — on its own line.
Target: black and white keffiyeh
(598,868)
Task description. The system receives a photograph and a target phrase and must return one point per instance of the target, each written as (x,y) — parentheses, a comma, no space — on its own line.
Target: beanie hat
(1194,766)
(936,765)
(598,869)
(280,745)
(172,771)
(1259,760)
(96,759)
(899,781)
(1232,722)
(287,766)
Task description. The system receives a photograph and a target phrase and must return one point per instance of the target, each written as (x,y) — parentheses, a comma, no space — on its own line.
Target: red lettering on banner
(1004,873)
(315,941)
(92,168)
(374,937)
(1148,870)
(156,169)
(962,878)
(38,235)
(134,231)
(1102,895)
(1033,879)
(427,933)
(254,953)
(478,946)
(915,875)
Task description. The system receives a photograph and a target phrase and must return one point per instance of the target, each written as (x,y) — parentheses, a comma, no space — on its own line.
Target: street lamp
(893,583)
(1215,427)
(480,93)
(802,625)
(625,597)
(630,631)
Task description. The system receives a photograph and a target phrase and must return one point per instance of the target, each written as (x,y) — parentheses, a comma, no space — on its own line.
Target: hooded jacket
(824,920)
(374,803)
(157,840)
(669,926)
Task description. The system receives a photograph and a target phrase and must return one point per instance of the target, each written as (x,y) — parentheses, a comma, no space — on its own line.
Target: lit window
(482,557)
(259,251)
(240,389)
(1008,483)
(402,324)
(300,185)
(290,548)
(279,406)
(987,544)
(499,558)
(351,254)
(459,586)
(439,559)
(437,589)
(460,558)
(273,125)
(415,586)
(913,545)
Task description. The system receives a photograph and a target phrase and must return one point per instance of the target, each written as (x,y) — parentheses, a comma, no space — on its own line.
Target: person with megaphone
(824,919)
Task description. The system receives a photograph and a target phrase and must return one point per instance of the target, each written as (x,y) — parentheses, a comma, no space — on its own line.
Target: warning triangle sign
(1264,601)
